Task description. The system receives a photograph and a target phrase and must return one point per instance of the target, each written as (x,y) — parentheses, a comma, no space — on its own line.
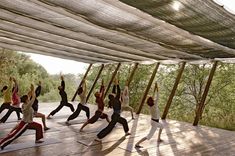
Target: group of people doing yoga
(117,100)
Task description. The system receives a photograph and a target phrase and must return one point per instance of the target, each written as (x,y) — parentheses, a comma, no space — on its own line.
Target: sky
(228,4)
(55,65)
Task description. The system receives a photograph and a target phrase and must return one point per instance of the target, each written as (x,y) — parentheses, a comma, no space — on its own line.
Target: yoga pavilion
(103,32)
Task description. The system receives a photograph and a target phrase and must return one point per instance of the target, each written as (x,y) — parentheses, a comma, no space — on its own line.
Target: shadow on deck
(179,138)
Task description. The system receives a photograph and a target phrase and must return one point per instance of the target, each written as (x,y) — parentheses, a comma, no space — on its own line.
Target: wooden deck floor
(179,138)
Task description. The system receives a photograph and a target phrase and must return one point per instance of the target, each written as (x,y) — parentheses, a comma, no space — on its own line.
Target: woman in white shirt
(125,101)
(155,116)
(26,122)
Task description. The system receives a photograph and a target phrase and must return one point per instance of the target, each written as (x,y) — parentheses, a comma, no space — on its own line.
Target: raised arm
(102,89)
(62,82)
(156,93)
(126,91)
(114,89)
(9,89)
(114,86)
(38,91)
(118,92)
(15,86)
(31,95)
(84,87)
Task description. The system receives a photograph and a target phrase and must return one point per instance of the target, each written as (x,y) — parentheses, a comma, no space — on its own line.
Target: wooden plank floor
(179,138)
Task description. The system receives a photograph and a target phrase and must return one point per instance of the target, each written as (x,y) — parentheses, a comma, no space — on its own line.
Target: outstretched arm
(114,89)
(84,87)
(118,89)
(62,82)
(15,86)
(126,91)
(114,86)
(31,95)
(38,89)
(118,92)
(102,89)
(156,93)
(9,89)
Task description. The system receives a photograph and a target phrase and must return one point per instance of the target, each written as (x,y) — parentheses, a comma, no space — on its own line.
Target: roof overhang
(104,31)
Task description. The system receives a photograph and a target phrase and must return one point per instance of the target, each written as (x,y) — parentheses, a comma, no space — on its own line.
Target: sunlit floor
(179,138)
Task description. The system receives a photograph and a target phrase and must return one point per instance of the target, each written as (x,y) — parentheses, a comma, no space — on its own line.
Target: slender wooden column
(147,89)
(112,78)
(177,80)
(132,74)
(96,79)
(204,95)
(84,77)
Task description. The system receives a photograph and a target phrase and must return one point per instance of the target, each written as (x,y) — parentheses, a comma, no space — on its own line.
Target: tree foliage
(219,110)
(26,71)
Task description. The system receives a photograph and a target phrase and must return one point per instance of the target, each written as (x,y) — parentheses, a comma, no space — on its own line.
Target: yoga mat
(72,122)
(88,130)
(4,126)
(92,142)
(12,120)
(79,121)
(28,144)
(65,116)
(95,129)
(27,132)
(130,146)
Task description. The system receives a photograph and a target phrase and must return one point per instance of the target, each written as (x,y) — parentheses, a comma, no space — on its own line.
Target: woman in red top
(99,112)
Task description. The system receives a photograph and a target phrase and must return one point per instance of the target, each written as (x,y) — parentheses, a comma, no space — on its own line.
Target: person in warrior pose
(82,105)
(7,95)
(35,106)
(115,103)
(125,101)
(26,123)
(99,112)
(64,99)
(155,116)
(15,106)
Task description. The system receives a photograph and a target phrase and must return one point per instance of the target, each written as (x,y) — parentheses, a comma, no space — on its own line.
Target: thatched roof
(106,31)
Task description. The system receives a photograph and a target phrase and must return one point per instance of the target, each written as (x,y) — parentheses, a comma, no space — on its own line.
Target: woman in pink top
(16,99)
(15,105)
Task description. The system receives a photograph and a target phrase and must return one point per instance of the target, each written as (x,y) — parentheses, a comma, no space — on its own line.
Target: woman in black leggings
(64,99)
(114,102)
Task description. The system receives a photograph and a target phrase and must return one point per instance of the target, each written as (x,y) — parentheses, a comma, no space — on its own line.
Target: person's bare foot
(127,134)
(98,140)
(138,146)
(39,141)
(67,123)
(46,128)
(159,140)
